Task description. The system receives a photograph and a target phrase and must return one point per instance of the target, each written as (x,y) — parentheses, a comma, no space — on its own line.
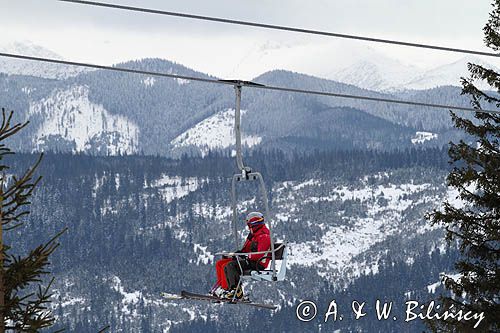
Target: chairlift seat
(280,253)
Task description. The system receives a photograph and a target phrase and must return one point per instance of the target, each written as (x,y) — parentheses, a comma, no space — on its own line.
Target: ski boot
(218,292)
(233,293)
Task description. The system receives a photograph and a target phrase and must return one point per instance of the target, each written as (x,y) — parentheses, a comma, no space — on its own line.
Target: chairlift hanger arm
(237,130)
(246,172)
(238,85)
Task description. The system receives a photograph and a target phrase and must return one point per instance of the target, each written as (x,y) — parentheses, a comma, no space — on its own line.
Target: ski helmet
(254,219)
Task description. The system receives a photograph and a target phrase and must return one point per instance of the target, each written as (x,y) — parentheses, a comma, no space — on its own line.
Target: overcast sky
(104,36)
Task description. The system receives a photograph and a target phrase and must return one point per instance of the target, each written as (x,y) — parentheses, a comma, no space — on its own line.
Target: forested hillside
(142,225)
(113,113)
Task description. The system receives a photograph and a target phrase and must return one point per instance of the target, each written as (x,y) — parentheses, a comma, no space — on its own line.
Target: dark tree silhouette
(476,225)
(24,298)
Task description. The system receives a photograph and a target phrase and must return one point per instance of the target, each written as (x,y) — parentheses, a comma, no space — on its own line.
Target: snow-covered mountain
(339,60)
(352,63)
(342,61)
(381,74)
(385,74)
(35,68)
(193,116)
(215,132)
(175,116)
(446,75)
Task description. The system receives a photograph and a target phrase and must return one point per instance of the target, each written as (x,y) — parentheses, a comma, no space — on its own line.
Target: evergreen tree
(23,298)
(475,226)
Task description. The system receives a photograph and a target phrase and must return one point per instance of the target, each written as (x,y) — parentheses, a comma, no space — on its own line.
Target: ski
(189,295)
(200,297)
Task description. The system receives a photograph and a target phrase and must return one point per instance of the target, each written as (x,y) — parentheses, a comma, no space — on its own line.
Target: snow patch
(218,212)
(175,187)
(28,90)
(215,132)
(339,245)
(282,217)
(204,256)
(392,195)
(129,298)
(421,137)
(182,82)
(310,182)
(149,81)
(453,198)
(335,251)
(431,289)
(70,115)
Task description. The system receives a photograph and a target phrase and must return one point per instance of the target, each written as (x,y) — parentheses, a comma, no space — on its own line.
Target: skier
(228,270)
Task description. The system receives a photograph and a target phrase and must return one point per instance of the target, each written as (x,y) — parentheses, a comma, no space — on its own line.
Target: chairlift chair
(278,251)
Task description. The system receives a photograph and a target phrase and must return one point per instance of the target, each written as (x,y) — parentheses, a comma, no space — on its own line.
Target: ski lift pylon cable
(282,28)
(244,83)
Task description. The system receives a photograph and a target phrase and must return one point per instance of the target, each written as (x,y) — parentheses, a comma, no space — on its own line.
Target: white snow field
(339,245)
(215,132)
(72,116)
(421,137)
(36,68)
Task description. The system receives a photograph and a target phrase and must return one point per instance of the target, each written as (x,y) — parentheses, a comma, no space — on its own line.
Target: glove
(243,260)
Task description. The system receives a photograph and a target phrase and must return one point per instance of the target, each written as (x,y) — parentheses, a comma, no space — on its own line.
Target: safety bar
(234,254)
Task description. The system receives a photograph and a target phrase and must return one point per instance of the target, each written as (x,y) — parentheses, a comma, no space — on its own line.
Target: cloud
(447,18)
(100,35)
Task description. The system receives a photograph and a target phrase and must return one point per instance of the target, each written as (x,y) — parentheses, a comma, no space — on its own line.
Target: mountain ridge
(162,109)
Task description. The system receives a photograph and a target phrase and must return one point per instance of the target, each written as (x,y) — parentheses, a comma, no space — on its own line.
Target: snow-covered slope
(35,68)
(68,115)
(448,74)
(173,188)
(359,217)
(380,73)
(344,236)
(338,230)
(344,61)
(215,132)
(333,59)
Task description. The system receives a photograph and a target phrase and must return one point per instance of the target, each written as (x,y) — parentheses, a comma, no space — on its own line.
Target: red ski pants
(219,268)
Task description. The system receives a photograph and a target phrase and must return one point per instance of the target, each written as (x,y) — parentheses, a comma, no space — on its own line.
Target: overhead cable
(283,28)
(243,83)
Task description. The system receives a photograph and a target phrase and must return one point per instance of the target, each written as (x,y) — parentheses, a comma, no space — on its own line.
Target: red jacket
(258,241)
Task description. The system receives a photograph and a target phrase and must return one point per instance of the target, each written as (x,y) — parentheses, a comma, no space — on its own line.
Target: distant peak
(29,48)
